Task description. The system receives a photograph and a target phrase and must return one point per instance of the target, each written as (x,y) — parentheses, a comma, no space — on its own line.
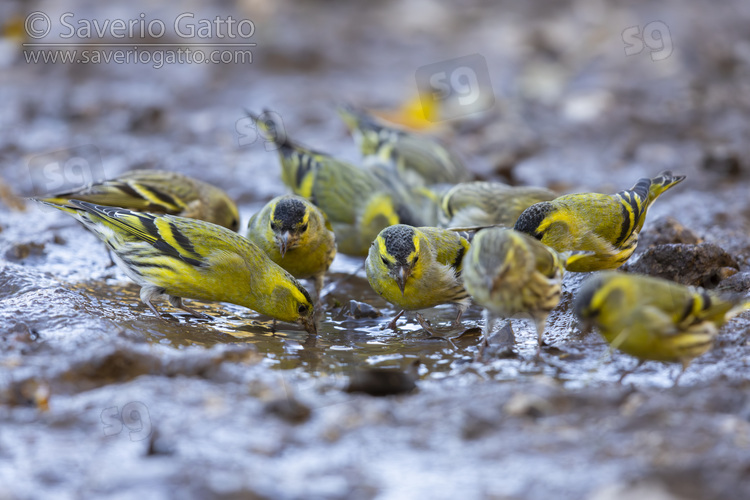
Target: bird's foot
(392,323)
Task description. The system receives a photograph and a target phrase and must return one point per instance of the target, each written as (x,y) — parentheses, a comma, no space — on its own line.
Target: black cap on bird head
(399,242)
(529,220)
(288,214)
(582,301)
(288,222)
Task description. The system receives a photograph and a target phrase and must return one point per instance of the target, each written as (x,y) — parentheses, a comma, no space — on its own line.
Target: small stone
(21,251)
(737,283)
(383,381)
(289,409)
(666,230)
(527,405)
(476,425)
(704,265)
(358,310)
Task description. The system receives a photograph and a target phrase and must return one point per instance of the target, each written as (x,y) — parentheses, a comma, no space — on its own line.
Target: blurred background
(573,95)
(588,84)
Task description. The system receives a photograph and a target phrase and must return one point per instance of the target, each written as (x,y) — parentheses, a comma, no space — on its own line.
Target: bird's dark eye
(385,261)
(415,259)
(303,228)
(302,309)
(274,227)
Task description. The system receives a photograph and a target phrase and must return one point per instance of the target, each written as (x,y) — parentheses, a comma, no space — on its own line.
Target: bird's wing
(430,159)
(155,192)
(161,232)
(342,190)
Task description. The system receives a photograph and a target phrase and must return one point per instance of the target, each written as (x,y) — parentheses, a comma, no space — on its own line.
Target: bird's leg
(628,372)
(685,364)
(540,322)
(392,324)
(319,281)
(489,322)
(177,302)
(151,306)
(425,324)
(459,313)
(112,262)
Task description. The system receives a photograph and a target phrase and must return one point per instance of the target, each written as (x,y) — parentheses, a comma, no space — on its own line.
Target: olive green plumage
(472,204)
(418,267)
(508,273)
(295,234)
(161,192)
(418,160)
(606,225)
(177,258)
(357,204)
(652,318)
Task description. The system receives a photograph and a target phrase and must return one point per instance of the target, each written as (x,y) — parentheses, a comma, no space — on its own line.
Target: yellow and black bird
(417,268)
(177,257)
(160,192)
(295,234)
(652,318)
(476,204)
(418,160)
(357,203)
(605,225)
(508,272)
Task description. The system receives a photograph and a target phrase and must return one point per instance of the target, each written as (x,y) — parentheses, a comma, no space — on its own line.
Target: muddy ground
(98,398)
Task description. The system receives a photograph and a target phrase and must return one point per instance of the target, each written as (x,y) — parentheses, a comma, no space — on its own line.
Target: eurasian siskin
(180,258)
(161,192)
(417,268)
(295,234)
(357,203)
(652,318)
(606,225)
(508,273)
(418,160)
(472,204)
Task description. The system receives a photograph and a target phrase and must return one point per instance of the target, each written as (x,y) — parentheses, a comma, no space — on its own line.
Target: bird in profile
(479,204)
(652,318)
(160,192)
(417,160)
(605,225)
(176,257)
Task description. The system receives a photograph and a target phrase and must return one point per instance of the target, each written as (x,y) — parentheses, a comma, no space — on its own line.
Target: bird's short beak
(401,277)
(309,325)
(283,242)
